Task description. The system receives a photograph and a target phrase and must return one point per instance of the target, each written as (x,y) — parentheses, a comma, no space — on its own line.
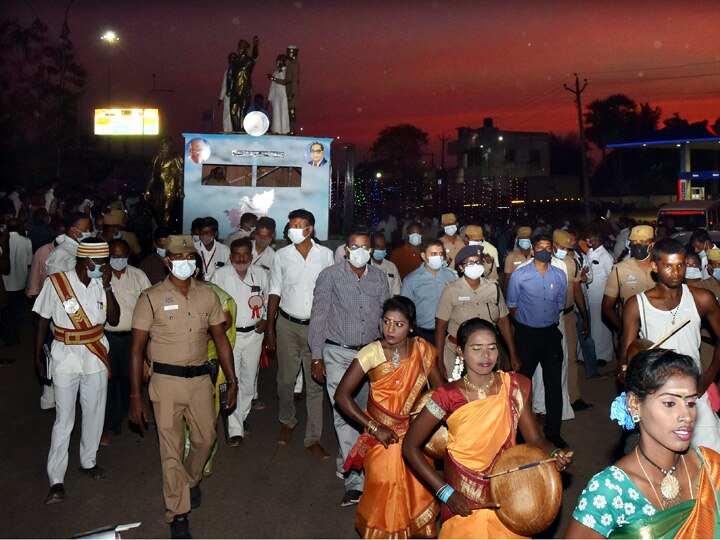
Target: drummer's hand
(386,436)
(563,459)
(459,505)
(515,363)
(622,372)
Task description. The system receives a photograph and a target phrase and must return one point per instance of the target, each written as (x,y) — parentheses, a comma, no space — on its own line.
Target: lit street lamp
(110,38)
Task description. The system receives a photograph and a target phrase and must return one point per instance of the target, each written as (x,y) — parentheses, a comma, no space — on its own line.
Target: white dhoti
(246,355)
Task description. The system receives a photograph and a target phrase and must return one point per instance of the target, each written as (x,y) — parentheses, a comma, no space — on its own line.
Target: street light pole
(110,38)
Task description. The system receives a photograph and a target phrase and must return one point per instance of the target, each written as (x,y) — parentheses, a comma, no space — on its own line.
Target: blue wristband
(444,493)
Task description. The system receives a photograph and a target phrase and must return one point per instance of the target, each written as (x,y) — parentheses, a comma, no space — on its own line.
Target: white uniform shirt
(20,259)
(127,290)
(292,277)
(241,290)
(62,259)
(73,358)
(393,275)
(217,257)
(264,259)
(601,263)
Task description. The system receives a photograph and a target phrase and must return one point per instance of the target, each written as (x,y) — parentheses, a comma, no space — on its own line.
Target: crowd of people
(499,332)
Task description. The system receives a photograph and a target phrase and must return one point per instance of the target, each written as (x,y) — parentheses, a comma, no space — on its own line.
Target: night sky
(367,65)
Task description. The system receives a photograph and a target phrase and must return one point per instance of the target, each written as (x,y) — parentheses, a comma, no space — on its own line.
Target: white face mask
(183,269)
(415,239)
(475,242)
(450,230)
(358,257)
(693,273)
(118,264)
(296,236)
(474,271)
(435,262)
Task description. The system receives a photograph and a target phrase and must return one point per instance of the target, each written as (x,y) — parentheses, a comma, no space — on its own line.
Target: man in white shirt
(77,228)
(263,237)
(292,282)
(378,259)
(248,285)
(213,254)
(601,262)
(247,226)
(79,302)
(20,252)
(127,283)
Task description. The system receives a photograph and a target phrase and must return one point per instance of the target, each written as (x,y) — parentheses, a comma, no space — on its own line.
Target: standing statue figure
(239,82)
(278,97)
(292,75)
(165,187)
(224,99)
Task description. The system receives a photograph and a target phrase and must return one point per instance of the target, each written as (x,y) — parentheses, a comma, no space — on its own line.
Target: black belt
(293,319)
(181,371)
(351,347)
(568,310)
(246,329)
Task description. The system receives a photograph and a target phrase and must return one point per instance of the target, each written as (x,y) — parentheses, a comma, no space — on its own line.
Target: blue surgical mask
(702,254)
(118,264)
(118,235)
(716,273)
(379,254)
(435,262)
(161,252)
(524,243)
(83,235)
(96,272)
(561,254)
(694,273)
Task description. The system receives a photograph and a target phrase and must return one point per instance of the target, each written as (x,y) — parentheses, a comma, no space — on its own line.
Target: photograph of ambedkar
(315,154)
(198,150)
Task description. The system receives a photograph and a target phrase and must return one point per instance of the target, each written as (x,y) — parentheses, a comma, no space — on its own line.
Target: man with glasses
(347,306)
(317,155)
(79,302)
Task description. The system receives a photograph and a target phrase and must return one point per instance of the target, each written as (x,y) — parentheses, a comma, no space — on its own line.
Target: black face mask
(543,256)
(639,251)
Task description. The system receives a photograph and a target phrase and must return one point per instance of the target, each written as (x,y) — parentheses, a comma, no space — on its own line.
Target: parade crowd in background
(482,327)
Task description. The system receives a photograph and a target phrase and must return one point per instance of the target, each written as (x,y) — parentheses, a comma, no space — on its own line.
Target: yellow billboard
(127,122)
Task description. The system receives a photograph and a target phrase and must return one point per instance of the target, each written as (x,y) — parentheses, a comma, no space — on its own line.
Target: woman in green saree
(663,488)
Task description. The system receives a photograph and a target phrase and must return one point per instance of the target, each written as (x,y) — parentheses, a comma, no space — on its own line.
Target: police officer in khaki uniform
(518,255)
(629,277)
(474,236)
(562,251)
(451,239)
(713,282)
(471,296)
(176,315)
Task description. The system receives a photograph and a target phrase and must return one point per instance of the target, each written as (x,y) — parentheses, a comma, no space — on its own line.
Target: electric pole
(581,126)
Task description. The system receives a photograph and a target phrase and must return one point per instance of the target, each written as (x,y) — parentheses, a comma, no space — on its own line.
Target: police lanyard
(206,265)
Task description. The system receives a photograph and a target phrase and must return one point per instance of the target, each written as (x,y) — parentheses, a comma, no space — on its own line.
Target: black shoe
(580,405)
(94,472)
(559,442)
(351,497)
(195,497)
(180,527)
(56,494)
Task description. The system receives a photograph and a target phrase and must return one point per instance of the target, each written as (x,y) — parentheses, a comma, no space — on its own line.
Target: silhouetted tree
(614,118)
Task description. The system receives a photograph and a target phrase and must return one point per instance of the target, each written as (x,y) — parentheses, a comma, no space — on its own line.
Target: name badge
(464,298)
(170,308)
(516,263)
(255,289)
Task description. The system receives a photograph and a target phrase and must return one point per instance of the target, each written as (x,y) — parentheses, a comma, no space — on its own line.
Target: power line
(655,68)
(650,79)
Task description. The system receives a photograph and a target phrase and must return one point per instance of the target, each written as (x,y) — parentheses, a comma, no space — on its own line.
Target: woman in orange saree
(395,503)
(483,409)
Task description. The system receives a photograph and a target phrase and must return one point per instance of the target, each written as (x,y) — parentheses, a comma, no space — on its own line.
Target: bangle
(372,427)
(554,452)
(444,493)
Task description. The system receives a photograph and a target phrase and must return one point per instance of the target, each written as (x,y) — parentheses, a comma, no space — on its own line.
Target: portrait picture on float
(265,175)
(198,150)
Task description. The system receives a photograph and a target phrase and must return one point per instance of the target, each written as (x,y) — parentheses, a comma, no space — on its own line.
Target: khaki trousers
(176,401)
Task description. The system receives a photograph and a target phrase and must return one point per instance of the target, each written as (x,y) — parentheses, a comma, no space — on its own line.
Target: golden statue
(165,190)
(292,75)
(239,82)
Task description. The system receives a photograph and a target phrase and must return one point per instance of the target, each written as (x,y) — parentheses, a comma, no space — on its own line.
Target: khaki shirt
(178,324)
(452,248)
(573,275)
(460,302)
(627,279)
(712,285)
(514,259)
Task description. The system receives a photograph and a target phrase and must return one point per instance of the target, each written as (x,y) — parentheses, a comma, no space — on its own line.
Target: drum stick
(520,468)
(670,334)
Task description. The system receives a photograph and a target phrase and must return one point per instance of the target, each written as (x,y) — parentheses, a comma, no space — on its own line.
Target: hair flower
(620,413)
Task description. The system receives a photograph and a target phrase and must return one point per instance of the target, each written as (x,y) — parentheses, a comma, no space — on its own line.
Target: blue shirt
(424,288)
(538,298)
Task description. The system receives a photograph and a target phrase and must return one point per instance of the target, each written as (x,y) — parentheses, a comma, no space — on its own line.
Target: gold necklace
(669,487)
(481,390)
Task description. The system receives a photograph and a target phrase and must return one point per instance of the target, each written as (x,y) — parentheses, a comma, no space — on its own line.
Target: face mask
(251,230)
(639,251)
(83,235)
(359,257)
(379,254)
(415,239)
(118,264)
(694,273)
(524,243)
(206,239)
(716,273)
(450,230)
(702,254)
(561,254)
(435,262)
(262,242)
(627,244)
(475,242)
(183,269)
(241,267)
(118,235)
(96,272)
(296,236)
(161,252)
(195,238)
(543,256)
(474,271)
